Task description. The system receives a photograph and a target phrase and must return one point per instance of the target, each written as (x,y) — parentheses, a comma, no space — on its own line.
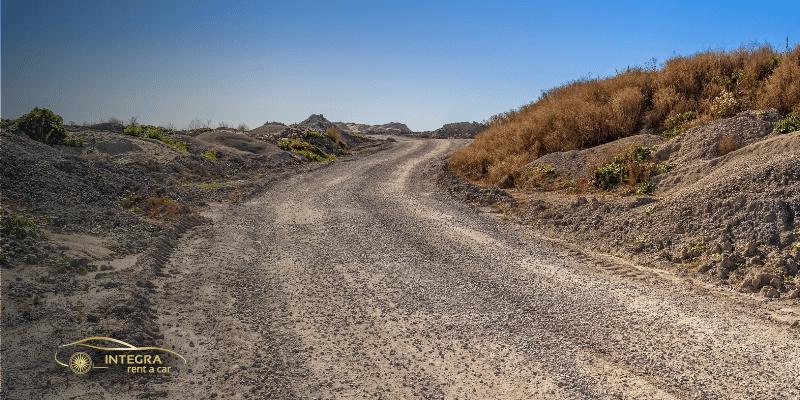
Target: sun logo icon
(80,363)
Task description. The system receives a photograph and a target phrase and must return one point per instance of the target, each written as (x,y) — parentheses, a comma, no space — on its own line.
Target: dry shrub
(782,88)
(161,207)
(586,113)
(727,144)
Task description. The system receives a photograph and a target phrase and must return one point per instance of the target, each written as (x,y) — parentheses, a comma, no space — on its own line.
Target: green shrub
(305,149)
(676,123)
(17,225)
(8,124)
(134,130)
(210,155)
(644,188)
(663,168)
(789,124)
(676,120)
(635,167)
(42,125)
(608,176)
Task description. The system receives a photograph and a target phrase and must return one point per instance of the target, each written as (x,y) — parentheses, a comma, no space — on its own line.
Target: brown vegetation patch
(686,91)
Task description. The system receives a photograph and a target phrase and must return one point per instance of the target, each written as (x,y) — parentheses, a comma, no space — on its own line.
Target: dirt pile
(391,128)
(725,209)
(99,215)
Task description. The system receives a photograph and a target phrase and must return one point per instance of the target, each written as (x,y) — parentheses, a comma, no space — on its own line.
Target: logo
(99,352)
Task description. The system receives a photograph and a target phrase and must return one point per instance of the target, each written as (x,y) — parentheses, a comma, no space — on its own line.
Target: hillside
(685,92)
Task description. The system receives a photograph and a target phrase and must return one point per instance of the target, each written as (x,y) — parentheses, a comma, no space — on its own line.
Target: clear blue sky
(419,62)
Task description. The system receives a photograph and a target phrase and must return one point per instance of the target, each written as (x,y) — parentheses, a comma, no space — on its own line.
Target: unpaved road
(362,280)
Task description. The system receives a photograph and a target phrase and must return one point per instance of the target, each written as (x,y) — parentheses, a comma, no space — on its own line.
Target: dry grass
(727,144)
(587,113)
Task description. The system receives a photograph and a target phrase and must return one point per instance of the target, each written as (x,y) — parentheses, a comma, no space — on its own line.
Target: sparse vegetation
(644,188)
(154,132)
(42,125)
(677,123)
(162,207)
(727,144)
(72,141)
(158,207)
(789,124)
(336,136)
(635,167)
(210,155)
(305,149)
(585,113)
(17,225)
(314,134)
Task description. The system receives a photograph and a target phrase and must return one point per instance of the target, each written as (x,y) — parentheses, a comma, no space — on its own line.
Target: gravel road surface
(363,279)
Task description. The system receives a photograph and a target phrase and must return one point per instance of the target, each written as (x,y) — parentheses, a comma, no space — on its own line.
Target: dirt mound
(315,122)
(726,209)
(233,142)
(268,129)
(578,164)
(458,130)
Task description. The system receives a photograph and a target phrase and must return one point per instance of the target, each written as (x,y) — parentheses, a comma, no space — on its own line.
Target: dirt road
(363,280)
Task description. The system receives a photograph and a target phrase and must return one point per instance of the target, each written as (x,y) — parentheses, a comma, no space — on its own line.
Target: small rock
(776,283)
(751,248)
(770,292)
(506,182)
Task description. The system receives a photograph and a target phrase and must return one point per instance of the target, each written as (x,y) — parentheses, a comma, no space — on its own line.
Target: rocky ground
(86,229)
(367,279)
(279,277)
(724,208)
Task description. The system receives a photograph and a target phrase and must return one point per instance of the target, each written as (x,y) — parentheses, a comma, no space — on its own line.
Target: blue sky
(419,62)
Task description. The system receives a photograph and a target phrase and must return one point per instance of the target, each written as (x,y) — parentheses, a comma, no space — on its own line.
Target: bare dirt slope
(364,280)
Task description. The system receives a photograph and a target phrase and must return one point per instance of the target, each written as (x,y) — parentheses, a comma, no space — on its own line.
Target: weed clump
(789,124)
(154,132)
(210,155)
(677,123)
(18,225)
(334,134)
(634,167)
(305,149)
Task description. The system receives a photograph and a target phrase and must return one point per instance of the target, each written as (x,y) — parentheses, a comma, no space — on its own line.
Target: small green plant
(305,149)
(73,141)
(42,125)
(635,167)
(210,155)
(644,188)
(314,134)
(676,123)
(154,132)
(609,176)
(679,119)
(18,225)
(789,124)
(663,168)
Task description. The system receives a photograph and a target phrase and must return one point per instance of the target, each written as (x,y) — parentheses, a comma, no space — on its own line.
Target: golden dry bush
(586,113)
(727,144)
